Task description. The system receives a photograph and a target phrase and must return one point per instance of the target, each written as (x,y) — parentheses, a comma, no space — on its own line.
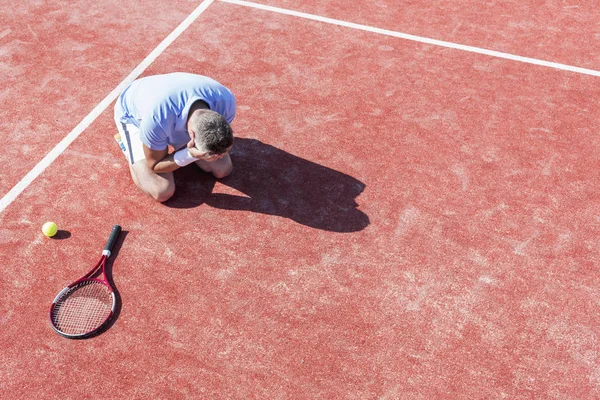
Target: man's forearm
(167,164)
(171,162)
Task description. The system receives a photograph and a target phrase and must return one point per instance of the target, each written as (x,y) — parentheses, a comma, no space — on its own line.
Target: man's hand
(201,155)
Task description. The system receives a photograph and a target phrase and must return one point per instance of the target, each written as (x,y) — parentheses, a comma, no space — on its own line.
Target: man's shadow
(277,183)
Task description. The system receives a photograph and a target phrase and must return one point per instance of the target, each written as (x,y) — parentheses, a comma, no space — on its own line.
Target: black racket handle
(113,237)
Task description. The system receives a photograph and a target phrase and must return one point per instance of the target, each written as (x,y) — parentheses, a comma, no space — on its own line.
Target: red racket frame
(102,263)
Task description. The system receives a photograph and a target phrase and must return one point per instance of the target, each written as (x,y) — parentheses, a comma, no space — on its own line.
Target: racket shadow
(109,277)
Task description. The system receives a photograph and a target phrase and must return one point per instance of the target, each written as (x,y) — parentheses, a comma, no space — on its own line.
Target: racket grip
(112,239)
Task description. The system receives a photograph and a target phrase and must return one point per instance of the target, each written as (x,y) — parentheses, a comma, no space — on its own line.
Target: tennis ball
(49,229)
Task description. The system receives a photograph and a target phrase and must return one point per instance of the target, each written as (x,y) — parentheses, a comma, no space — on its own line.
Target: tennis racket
(87,304)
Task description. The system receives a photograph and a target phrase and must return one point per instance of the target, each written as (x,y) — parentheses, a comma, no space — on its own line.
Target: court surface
(414,211)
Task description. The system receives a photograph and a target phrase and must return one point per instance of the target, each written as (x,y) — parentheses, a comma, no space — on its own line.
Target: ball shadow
(61,235)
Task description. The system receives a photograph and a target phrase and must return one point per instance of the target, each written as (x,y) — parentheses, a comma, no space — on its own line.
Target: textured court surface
(405,221)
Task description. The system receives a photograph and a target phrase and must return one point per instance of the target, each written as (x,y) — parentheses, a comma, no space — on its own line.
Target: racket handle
(111,240)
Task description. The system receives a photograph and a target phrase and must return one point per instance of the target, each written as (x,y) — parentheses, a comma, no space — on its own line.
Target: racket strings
(83,308)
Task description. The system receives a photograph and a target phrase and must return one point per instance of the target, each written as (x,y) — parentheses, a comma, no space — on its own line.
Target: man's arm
(159,160)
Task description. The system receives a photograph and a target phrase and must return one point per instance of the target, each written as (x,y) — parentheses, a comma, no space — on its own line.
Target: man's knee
(160,187)
(223,172)
(162,194)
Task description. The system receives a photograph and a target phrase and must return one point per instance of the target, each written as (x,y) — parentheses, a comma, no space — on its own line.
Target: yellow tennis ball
(49,229)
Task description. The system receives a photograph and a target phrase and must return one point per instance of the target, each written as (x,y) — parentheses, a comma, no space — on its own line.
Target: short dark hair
(213,132)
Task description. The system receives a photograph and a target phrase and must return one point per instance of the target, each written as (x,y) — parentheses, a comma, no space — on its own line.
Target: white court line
(99,109)
(414,38)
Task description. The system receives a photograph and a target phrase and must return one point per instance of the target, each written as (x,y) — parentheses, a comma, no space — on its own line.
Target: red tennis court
(414,211)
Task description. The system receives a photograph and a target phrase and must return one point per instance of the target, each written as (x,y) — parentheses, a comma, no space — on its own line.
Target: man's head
(213,134)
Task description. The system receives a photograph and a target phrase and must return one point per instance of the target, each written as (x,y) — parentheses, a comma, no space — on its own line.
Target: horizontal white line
(414,38)
(99,109)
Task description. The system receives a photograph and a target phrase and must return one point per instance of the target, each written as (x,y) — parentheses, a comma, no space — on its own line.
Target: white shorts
(129,140)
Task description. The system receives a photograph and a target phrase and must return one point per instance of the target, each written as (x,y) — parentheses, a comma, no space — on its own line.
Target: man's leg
(160,186)
(219,168)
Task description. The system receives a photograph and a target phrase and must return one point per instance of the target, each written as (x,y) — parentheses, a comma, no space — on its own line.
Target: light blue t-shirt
(159,106)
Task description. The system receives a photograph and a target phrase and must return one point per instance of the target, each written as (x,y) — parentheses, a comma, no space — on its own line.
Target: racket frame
(87,277)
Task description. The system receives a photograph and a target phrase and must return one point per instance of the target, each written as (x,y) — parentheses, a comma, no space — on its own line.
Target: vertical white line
(99,109)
